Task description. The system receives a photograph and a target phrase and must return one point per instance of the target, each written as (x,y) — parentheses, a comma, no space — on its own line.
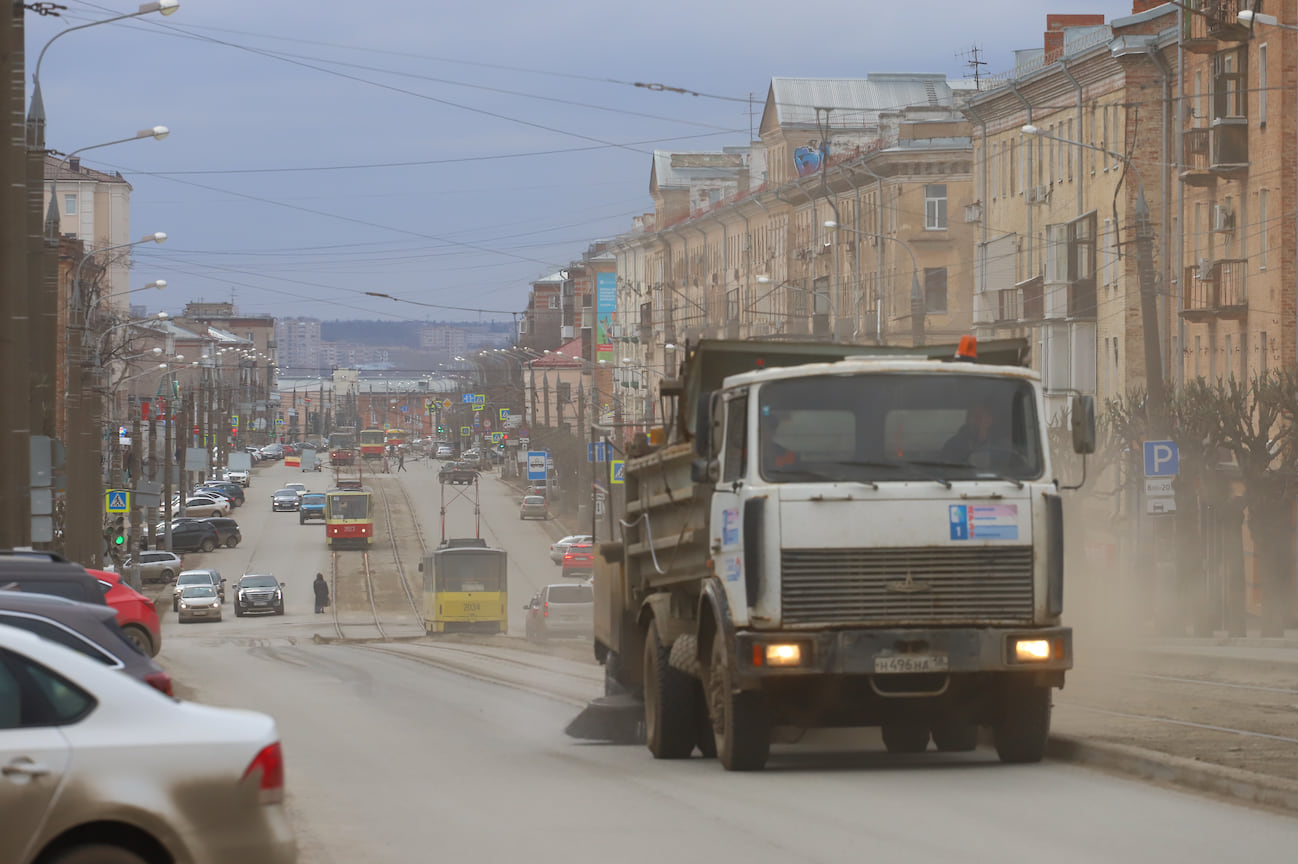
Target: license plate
(261,602)
(897,664)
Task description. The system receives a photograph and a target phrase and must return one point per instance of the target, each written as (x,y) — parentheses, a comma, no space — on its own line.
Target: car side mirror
(281,584)
(1083,423)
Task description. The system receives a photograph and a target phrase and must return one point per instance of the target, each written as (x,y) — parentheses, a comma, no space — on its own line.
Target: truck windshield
(901,426)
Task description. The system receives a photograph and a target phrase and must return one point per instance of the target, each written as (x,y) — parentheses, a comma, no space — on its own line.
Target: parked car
(191,535)
(155,566)
(272,451)
(47,573)
(198,602)
(559,547)
(87,628)
(284,499)
(311,506)
(203,505)
(137,614)
(579,561)
(561,610)
(533,508)
(114,769)
(445,451)
(227,530)
(473,455)
(198,576)
(258,592)
(228,489)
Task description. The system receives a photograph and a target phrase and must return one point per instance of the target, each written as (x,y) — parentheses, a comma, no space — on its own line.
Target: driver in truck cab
(775,454)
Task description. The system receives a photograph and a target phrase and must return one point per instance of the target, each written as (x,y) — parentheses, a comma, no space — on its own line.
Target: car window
(57,587)
(47,629)
(198,591)
(258,582)
(570,594)
(42,697)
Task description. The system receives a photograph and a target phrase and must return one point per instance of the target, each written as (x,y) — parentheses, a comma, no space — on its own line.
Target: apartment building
(298,344)
(95,208)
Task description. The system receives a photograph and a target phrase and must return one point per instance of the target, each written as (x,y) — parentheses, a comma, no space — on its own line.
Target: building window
(69,205)
(1229,84)
(554,301)
(935,290)
(1261,84)
(1104,142)
(1262,232)
(935,207)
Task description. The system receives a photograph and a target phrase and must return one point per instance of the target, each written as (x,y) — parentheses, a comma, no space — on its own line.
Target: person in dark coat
(321,593)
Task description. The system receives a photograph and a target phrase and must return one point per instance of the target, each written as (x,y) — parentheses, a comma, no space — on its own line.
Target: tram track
(355,630)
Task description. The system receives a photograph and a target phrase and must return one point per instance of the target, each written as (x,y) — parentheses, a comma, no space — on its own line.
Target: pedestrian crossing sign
(617,471)
(117,501)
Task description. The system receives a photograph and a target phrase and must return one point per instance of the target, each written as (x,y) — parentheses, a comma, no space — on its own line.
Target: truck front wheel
(1025,724)
(740,726)
(669,702)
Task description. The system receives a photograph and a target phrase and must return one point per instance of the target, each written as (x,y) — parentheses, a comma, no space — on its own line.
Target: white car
(204,505)
(560,547)
(91,758)
(444,451)
(238,475)
(299,488)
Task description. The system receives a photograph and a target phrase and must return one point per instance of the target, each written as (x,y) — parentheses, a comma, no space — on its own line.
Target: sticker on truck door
(984,521)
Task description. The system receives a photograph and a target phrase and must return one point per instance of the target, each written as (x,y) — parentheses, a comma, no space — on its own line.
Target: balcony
(1034,298)
(1082,300)
(1196,161)
(1216,21)
(1230,146)
(1218,293)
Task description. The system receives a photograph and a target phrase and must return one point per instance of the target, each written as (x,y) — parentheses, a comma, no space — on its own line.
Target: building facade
(95,208)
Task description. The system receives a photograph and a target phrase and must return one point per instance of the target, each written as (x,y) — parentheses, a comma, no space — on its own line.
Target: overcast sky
(442,153)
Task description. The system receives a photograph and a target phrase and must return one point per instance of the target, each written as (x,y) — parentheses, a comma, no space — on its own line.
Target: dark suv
(227,530)
(47,573)
(194,535)
(457,473)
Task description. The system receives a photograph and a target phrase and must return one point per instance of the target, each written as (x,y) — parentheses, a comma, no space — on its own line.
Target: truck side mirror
(705,471)
(1083,422)
(703,426)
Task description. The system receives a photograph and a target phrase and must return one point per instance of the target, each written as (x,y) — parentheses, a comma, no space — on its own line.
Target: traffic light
(117,532)
(503,438)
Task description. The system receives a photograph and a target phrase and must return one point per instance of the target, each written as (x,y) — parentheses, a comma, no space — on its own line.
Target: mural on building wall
(810,157)
(605,312)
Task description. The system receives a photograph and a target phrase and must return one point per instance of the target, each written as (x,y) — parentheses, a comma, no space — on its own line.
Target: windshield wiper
(983,471)
(867,463)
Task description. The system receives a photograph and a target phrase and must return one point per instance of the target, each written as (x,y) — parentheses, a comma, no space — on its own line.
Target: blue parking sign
(1161,459)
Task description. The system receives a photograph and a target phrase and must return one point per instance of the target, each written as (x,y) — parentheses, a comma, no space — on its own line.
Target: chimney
(1055,26)
(1138,6)
(74,164)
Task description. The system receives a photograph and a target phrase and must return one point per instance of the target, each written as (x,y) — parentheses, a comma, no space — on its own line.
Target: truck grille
(926,584)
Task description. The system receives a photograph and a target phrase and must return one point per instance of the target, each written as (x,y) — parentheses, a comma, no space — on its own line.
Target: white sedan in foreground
(97,767)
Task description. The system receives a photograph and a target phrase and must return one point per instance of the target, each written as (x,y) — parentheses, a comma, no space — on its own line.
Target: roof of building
(56,165)
(854,102)
(554,360)
(555,278)
(676,168)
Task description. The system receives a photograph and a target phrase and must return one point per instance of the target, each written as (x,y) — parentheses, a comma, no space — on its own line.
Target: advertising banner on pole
(605,312)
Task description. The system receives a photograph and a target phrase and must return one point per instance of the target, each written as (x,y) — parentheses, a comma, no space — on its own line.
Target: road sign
(478,406)
(1160,506)
(536,465)
(522,442)
(495,437)
(279,421)
(549,460)
(1159,487)
(117,501)
(487,425)
(405,409)
(522,433)
(446,403)
(617,471)
(479,399)
(598,451)
(467,398)
(504,413)
(1161,459)
(234,419)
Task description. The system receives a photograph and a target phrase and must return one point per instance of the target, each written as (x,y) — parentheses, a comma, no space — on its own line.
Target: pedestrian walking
(401,461)
(321,588)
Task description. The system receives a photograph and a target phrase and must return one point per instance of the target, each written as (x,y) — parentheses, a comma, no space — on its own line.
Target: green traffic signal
(118,540)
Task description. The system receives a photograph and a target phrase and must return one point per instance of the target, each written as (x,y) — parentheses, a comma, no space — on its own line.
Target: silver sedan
(199,603)
(90,770)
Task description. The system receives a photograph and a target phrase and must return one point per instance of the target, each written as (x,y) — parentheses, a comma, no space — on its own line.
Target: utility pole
(168,445)
(1145,273)
(137,515)
(15,383)
(151,514)
(42,279)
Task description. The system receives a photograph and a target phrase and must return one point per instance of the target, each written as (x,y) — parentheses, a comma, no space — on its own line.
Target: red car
(579,561)
(136,614)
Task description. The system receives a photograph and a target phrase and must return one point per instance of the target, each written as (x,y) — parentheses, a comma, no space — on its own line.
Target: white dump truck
(835,535)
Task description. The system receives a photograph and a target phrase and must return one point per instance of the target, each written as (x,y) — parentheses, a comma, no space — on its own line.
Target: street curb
(1247,786)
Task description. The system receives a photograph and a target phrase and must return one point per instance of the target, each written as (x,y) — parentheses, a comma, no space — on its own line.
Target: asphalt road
(419,751)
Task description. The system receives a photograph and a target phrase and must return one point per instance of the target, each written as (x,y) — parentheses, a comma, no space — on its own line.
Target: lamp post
(1252,19)
(918,302)
(1154,383)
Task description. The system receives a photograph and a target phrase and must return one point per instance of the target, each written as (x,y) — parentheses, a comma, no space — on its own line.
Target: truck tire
(1024,726)
(905,737)
(740,728)
(955,736)
(669,702)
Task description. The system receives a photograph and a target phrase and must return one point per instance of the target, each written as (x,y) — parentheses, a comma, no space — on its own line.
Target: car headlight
(278,595)
(184,606)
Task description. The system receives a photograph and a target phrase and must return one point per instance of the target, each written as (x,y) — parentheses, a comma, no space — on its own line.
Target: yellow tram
(466,589)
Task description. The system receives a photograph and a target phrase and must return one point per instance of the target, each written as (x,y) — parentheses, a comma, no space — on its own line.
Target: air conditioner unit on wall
(1223,218)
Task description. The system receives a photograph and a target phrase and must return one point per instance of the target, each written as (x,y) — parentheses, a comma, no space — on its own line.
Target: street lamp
(1250,18)
(155,237)
(157,133)
(1145,276)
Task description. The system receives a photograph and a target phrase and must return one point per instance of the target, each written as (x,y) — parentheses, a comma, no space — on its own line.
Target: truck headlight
(1031,650)
(778,654)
